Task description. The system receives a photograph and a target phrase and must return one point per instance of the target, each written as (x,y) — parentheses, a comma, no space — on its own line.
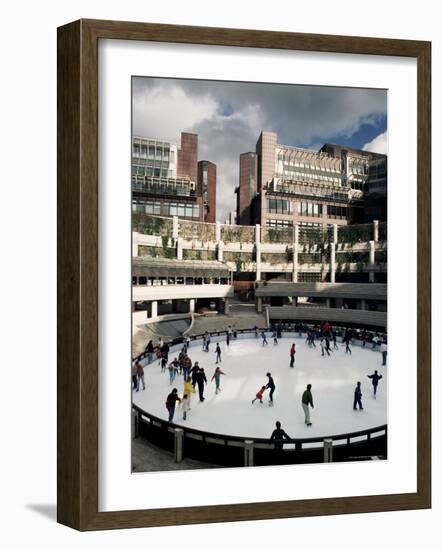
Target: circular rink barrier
(226,429)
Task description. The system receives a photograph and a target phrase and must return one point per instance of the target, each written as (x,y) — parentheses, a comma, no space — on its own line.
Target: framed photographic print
(243,275)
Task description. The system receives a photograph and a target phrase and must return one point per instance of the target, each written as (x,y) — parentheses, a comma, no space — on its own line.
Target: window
(310,209)
(279,223)
(334,211)
(134,280)
(142,280)
(279,206)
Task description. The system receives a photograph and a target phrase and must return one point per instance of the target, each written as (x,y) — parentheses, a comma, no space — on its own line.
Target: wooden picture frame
(77,225)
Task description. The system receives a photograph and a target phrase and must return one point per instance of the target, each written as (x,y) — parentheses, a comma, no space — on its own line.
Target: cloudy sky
(229,116)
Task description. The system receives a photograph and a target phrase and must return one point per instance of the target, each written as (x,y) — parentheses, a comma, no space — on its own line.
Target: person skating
(327,345)
(140,376)
(186,405)
(278,436)
(193,372)
(218,353)
(375,377)
(228,338)
(324,347)
(187,365)
(275,338)
(259,395)
(201,380)
(346,340)
(173,369)
(271,386)
(292,355)
(134,375)
(358,397)
(255,328)
(188,390)
(149,350)
(306,400)
(279,331)
(172,398)
(163,362)
(217,377)
(383,350)
(335,345)
(264,339)
(207,342)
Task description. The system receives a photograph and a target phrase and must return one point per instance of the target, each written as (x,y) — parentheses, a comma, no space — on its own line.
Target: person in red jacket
(259,395)
(292,355)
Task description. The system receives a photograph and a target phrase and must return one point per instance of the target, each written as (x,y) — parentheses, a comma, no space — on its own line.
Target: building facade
(308,188)
(165,178)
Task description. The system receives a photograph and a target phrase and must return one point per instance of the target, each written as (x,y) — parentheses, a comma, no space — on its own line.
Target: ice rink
(245,364)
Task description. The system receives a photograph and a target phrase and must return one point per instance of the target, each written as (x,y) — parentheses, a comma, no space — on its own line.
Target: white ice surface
(246,363)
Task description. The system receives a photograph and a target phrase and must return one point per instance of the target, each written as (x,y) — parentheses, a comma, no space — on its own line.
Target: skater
(383,350)
(186,406)
(346,339)
(188,390)
(375,341)
(279,331)
(335,345)
(278,435)
(149,351)
(228,338)
(134,375)
(324,347)
(187,365)
(193,373)
(207,342)
(217,377)
(306,400)
(255,328)
(140,376)
(173,369)
(271,386)
(172,398)
(364,338)
(163,362)
(375,377)
(357,397)
(259,395)
(292,355)
(275,338)
(158,355)
(201,380)
(327,345)
(218,353)
(264,339)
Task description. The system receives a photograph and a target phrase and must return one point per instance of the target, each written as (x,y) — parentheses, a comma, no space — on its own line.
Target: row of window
(165,281)
(164,186)
(182,210)
(311,209)
(158,152)
(279,223)
(152,171)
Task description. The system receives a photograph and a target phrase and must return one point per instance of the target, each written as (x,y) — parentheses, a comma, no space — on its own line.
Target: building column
(218,231)
(179,248)
(192,305)
(332,262)
(335,233)
(226,307)
(258,251)
(154,309)
(328,303)
(135,244)
(363,304)
(259,304)
(175,227)
(220,251)
(376,230)
(371,262)
(295,254)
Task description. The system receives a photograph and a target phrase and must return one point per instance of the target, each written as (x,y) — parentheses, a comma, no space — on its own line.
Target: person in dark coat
(271,386)
(172,398)
(358,397)
(306,400)
(201,379)
(278,435)
(375,377)
(149,350)
(193,373)
(292,355)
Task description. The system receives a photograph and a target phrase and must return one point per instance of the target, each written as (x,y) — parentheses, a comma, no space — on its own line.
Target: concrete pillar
(328,450)
(258,260)
(226,306)
(154,309)
(220,251)
(295,253)
(335,233)
(178,444)
(376,230)
(259,304)
(327,302)
(248,452)
(179,248)
(257,233)
(135,244)
(363,304)
(332,262)
(175,227)
(192,305)
(371,262)
(218,231)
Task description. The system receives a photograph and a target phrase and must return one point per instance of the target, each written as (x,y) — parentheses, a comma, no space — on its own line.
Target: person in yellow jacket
(188,390)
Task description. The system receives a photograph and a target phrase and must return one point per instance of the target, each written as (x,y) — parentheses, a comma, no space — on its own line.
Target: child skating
(259,395)
(217,377)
